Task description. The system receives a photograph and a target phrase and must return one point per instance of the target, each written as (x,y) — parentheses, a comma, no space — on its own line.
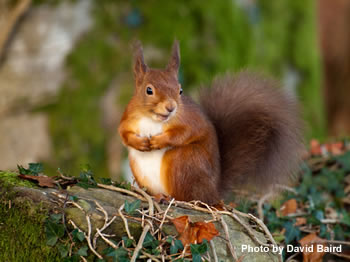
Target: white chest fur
(149,163)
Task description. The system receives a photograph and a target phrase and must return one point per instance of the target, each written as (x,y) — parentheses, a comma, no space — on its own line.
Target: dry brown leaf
(315,147)
(43,181)
(220,206)
(300,221)
(289,207)
(335,148)
(232,204)
(180,223)
(312,240)
(206,231)
(193,233)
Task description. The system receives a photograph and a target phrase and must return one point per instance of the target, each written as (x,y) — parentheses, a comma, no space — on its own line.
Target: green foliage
(130,208)
(175,245)
(127,242)
(292,232)
(118,255)
(321,190)
(34,169)
(198,250)
(53,229)
(77,235)
(86,178)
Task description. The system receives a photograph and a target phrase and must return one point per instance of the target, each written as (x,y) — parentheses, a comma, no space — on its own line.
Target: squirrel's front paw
(158,142)
(141,144)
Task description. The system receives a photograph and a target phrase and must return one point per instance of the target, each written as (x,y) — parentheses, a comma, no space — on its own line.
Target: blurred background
(65,67)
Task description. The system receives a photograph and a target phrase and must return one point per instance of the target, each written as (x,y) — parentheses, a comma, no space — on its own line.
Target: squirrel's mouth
(162,117)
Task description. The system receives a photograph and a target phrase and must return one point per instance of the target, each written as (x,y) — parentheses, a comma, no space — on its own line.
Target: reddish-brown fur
(245,133)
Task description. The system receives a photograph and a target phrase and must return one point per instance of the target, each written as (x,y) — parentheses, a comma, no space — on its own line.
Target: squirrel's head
(158,92)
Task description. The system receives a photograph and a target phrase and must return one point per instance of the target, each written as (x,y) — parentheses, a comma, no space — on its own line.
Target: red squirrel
(244,134)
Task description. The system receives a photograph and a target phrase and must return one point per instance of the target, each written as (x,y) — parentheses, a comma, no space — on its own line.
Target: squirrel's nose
(170,108)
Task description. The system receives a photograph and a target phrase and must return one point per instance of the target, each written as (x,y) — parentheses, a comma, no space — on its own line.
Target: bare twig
(261,203)
(212,246)
(264,228)
(125,191)
(148,197)
(125,221)
(106,239)
(76,205)
(164,216)
(139,244)
(121,190)
(88,238)
(228,241)
(287,188)
(65,177)
(153,258)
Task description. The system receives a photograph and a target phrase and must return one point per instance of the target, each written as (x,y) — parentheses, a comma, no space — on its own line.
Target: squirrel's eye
(181,91)
(149,90)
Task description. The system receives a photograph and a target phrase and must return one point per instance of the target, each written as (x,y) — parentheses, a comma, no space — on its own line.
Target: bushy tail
(258,129)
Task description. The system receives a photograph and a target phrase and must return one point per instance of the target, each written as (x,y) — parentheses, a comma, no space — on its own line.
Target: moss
(22,236)
(8,179)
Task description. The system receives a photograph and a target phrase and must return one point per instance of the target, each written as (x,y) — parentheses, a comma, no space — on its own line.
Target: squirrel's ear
(140,68)
(174,62)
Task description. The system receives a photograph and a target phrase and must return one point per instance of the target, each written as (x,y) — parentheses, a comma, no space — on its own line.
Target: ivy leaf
(106,181)
(198,250)
(34,169)
(169,240)
(130,208)
(319,215)
(127,241)
(344,160)
(150,241)
(291,233)
(346,219)
(56,218)
(86,178)
(77,235)
(82,251)
(53,231)
(74,258)
(176,247)
(63,249)
(120,254)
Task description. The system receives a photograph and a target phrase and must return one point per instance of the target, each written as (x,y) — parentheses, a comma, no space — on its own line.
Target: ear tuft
(140,68)
(174,62)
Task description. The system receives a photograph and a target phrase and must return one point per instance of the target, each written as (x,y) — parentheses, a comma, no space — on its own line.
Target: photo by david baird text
(290,248)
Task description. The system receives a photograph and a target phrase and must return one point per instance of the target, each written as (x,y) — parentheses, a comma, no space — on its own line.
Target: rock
(111,202)
(24,139)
